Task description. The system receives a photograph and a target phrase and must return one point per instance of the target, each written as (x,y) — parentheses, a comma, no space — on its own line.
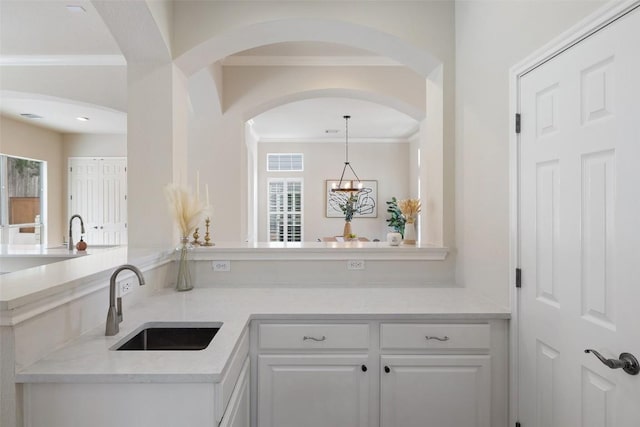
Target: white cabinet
(379,374)
(313,375)
(238,412)
(313,390)
(439,391)
(435,375)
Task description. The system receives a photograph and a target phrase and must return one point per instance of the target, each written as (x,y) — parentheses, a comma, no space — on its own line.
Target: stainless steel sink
(169,337)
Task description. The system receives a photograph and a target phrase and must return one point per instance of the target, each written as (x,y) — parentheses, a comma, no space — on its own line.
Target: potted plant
(349,207)
(397,220)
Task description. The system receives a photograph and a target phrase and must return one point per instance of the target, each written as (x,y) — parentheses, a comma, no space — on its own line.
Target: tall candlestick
(206,188)
(198,185)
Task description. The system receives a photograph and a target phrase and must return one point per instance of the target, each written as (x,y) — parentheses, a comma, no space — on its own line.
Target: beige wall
(492,36)
(387,163)
(216,138)
(90,145)
(217,145)
(21,139)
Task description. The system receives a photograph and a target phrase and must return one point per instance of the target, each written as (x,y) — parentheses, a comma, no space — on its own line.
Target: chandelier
(347,185)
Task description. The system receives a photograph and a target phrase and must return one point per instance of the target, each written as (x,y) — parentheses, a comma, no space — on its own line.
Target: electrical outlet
(354,264)
(125,287)
(221,265)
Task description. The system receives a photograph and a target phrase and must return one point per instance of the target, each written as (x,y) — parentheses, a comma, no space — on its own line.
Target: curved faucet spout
(114,315)
(70,229)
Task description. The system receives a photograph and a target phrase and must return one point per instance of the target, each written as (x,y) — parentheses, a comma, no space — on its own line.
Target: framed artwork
(366,206)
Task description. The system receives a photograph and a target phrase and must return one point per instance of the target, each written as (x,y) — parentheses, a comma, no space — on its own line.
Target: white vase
(409,234)
(394,239)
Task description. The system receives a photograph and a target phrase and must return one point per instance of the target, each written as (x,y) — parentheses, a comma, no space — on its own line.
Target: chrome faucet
(70,233)
(115,317)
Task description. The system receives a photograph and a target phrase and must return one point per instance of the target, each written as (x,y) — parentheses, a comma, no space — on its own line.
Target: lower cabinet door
(238,410)
(435,391)
(313,390)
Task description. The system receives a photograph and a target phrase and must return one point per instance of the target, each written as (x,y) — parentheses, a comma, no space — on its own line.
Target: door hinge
(518,277)
(517,122)
(71,169)
(71,197)
(125,197)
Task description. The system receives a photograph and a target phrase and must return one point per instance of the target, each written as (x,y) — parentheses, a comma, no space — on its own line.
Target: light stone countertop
(89,359)
(23,287)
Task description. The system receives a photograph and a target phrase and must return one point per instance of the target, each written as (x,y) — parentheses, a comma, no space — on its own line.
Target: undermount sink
(169,337)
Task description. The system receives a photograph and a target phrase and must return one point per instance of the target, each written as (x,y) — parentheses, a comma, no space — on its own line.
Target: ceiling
(48,32)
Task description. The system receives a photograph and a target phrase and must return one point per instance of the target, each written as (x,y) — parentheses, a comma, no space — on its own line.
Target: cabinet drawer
(434,336)
(313,337)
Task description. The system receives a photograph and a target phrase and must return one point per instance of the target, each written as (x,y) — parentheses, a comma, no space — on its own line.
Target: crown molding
(62,60)
(335,140)
(308,61)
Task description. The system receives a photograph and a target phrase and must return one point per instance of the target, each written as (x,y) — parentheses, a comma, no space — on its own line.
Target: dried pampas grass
(409,208)
(185,209)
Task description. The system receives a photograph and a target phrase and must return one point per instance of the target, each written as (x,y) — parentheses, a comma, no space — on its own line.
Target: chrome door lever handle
(626,361)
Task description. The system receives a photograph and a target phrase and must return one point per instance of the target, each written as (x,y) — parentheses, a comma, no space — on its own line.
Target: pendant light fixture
(347,185)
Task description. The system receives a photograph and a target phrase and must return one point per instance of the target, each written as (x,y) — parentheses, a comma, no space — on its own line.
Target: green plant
(349,207)
(397,220)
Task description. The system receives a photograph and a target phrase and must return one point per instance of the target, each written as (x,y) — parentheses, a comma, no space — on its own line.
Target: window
(21,200)
(284,162)
(285,210)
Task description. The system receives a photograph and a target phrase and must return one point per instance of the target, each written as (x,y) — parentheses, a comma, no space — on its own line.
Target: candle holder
(207,238)
(196,236)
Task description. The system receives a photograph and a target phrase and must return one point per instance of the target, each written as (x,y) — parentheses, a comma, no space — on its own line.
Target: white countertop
(89,358)
(33,284)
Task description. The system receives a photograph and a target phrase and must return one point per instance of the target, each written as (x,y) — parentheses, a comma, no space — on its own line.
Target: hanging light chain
(346,133)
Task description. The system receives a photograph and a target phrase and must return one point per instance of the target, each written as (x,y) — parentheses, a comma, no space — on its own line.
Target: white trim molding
(62,60)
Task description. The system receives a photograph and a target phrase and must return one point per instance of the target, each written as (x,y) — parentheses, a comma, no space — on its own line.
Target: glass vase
(184,266)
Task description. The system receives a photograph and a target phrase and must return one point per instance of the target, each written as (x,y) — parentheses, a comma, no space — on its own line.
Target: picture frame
(367,204)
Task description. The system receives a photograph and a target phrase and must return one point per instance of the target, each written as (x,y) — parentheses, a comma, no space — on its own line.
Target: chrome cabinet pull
(626,361)
(445,338)
(313,338)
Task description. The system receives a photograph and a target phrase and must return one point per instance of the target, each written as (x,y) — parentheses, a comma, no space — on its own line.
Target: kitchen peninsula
(65,368)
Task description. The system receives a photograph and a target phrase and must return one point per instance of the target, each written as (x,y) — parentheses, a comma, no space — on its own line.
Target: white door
(438,391)
(98,193)
(313,390)
(579,232)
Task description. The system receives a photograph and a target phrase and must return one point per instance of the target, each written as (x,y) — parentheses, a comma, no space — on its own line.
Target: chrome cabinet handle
(313,338)
(626,361)
(445,338)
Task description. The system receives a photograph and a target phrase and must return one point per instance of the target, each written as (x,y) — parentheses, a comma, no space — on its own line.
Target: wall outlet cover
(355,264)
(125,287)
(221,265)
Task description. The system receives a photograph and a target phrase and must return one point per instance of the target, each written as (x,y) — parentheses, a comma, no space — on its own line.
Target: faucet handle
(119,306)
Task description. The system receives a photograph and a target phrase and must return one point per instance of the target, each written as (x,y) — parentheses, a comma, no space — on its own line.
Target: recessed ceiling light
(30,116)
(83,119)
(331,131)
(74,8)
